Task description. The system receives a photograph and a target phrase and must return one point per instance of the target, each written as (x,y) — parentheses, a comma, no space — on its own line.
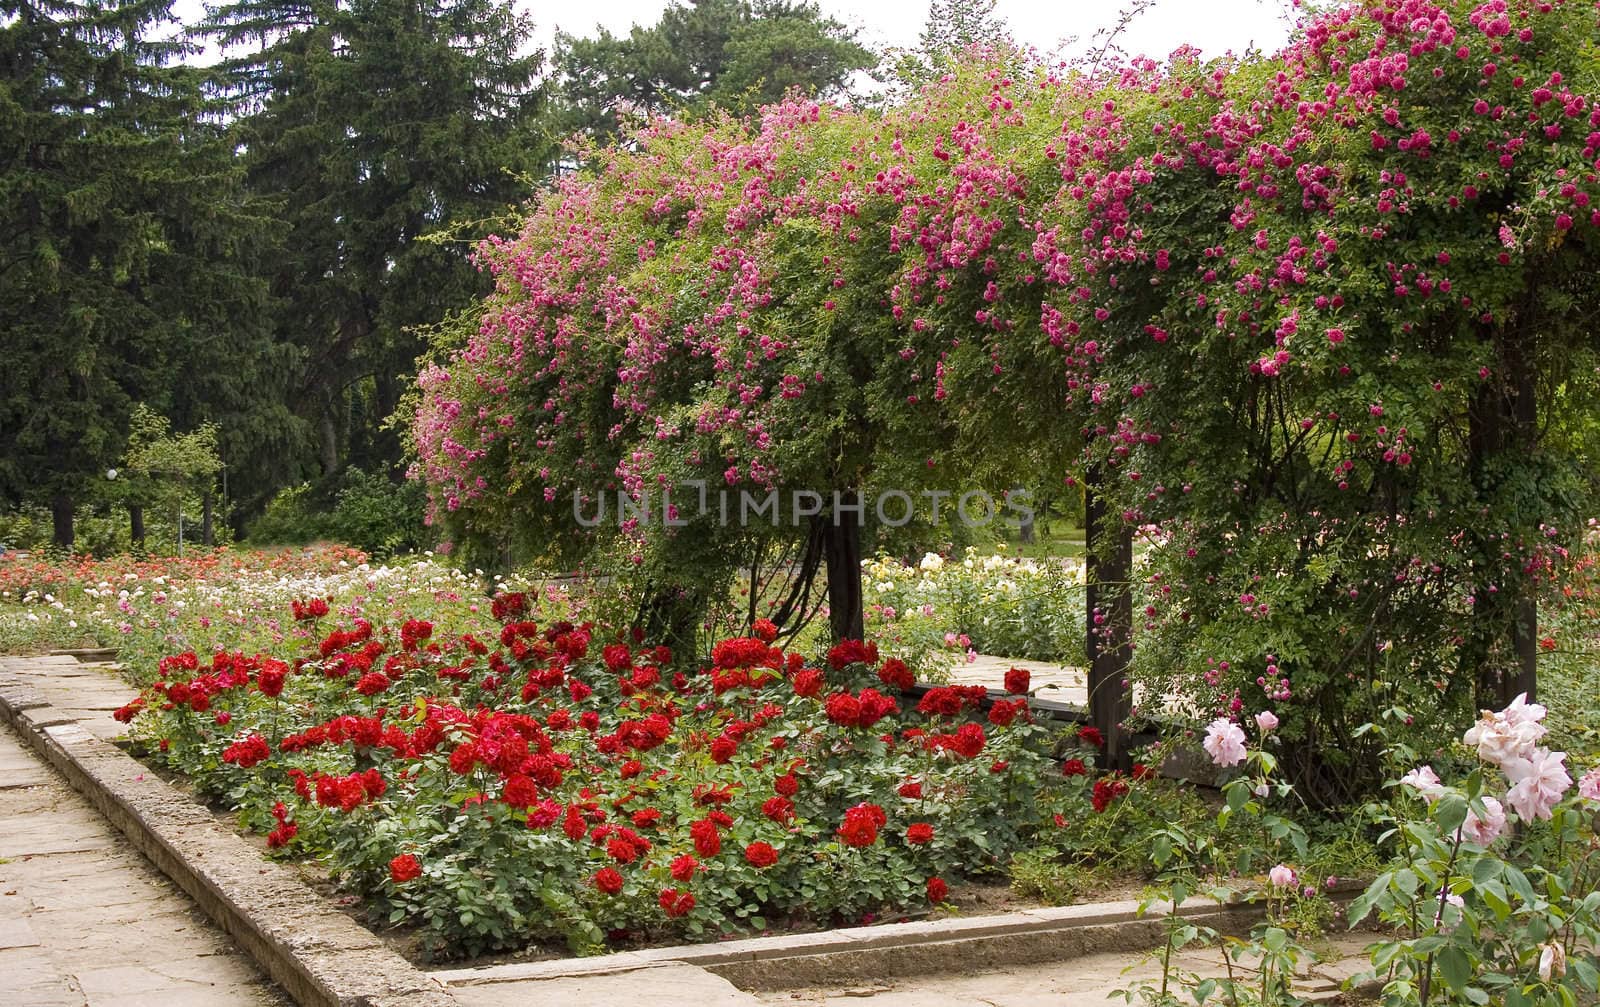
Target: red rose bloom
(808,682)
(911,789)
(372,683)
(786,785)
(707,841)
(896,675)
(248,753)
(779,809)
(843,709)
(761,855)
(722,749)
(919,833)
(1073,767)
(937,890)
(766,630)
(271,679)
(1143,772)
(1106,790)
(1091,736)
(520,792)
(860,825)
(608,880)
(675,903)
(683,867)
(404,868)
(1017,681)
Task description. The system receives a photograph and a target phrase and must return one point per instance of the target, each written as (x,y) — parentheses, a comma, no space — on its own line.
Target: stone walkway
(84,919)
(1088,981)
(1050,681)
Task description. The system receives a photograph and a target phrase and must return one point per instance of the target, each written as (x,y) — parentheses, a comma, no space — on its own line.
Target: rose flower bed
(551,784)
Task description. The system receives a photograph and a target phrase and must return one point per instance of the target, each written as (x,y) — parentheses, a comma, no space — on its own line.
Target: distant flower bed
(497,788)
(939,608)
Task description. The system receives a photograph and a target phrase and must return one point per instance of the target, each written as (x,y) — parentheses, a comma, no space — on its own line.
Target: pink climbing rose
(1224,742)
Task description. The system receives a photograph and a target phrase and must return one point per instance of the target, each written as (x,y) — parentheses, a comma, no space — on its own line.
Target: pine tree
(374,125)
(127,253)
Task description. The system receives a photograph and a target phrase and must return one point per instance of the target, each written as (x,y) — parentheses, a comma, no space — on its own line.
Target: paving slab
(86,921)
(667,985)
(1081,982)
(1059,682)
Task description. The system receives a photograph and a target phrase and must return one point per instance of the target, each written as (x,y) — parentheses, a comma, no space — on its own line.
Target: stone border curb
(891,950)
(319,956)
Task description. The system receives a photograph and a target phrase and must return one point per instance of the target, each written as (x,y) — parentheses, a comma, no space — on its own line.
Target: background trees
(129,252)
(375,128)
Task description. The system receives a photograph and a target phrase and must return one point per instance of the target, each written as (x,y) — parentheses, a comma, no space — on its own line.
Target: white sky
(1215,26)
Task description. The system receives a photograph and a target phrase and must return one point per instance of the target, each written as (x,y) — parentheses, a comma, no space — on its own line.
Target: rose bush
(545,781)
(1018,608)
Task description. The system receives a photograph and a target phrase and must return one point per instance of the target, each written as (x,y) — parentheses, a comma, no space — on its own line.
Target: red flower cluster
(896,675)
(404,868)
(249,753)
(950,700)
(848,652)
(675,903)
(348,793)
(1017,681)
(864,710)
(305,611)
(919,833)
(761,855)
(1106,790)
(861,825)
(285,831)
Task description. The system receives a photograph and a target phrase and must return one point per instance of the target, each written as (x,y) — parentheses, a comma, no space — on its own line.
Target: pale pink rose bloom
(1552,962)
(1282,876)
(1484,831)
(1443,918)
(1537,783)
(1521,712)
(1224,742)
(1509,734)
(1267,721)
(1425,782)
(1589,786)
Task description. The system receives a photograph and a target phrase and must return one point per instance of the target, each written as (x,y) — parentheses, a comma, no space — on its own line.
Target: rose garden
(736,601)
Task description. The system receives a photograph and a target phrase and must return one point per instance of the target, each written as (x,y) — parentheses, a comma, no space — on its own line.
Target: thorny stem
(1444,894)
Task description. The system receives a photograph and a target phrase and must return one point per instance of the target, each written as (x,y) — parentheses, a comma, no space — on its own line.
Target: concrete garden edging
(892,950)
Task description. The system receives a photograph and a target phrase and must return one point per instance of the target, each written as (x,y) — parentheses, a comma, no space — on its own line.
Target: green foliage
(368,511)
(702,57)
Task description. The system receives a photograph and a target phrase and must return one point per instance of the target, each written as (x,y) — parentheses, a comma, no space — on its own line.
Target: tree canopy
(704,55)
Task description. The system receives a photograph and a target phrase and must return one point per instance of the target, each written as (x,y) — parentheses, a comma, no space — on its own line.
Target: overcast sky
(1216,26)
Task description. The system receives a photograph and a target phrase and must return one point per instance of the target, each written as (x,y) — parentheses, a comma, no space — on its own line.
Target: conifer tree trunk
(136,526)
